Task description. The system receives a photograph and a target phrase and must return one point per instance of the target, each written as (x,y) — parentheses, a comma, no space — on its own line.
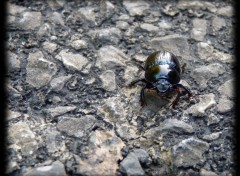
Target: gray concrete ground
(70,111)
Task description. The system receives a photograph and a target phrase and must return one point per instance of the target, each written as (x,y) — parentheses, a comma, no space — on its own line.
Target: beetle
(163,74)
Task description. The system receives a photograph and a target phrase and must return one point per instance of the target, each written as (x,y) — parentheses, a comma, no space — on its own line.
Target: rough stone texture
(60,110)
(224,105)
(122,25)
(55,169)
(189,153)
(12,115)
(39,70)
(131,166)
(108,80)
(21,135)
(50,47)
(207,52)
(212,119)
(170,125)
(79,44)
(30,20)
(212,137)
(131,74)
(58,83)
(218,23)
(106,35)
(177,126)
(149,27)
(12,166)
(109,56)
(53,145)
(56,18)
(87,14)
(184,4)
(13,9)
(114,110)
(227,89)
(175,43)
(202,74)
(136,7)
(126,132)
(170,10)
(199,29)
(72,61)
(68,100)
(13,61)
(225,11)
(204,172)
(142,156)
(206,102)
(77,127)
(103,154)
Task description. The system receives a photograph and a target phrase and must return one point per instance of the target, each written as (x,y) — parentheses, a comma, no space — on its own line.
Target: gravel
(70,110)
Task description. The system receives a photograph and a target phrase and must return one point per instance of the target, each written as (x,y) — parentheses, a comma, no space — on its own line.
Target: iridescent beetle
(163,74)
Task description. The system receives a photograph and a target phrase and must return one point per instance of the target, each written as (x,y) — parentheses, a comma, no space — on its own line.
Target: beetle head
(162,85)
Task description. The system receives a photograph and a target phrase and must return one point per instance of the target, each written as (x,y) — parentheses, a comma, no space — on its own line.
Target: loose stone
(58,83)
(225,11)
(77,127)
(175,43)
(50,47)
(169,125)
(39,70)
(30,20)
(79,44)
(55,169)
(136,7)
(13,61)
(224,105)
(227,89)
(108,80)
(189,153)
(212,119)
(199,29)
(103,154)
(149,27)
(131,166)
(204,172)
(202,74)
(110,35)
(199,109)
(218,23)
(60,110)
(13,9)
(72,61)
(12,115)
(212,137)
(109,57)
(21,135)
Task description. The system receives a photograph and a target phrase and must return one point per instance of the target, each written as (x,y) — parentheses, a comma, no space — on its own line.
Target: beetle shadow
(155,103)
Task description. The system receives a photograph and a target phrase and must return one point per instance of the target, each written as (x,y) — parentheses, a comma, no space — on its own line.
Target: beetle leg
(186,90)
(178,86)
(142,97)
(183,67)
(140,66)
(136,81)
(175,102)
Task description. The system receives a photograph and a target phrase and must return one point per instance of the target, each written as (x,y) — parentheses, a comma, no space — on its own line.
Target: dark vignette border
(3,131)
(237,93)
(3,59)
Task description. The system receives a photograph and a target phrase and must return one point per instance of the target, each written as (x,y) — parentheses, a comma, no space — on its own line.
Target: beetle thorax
(162,85)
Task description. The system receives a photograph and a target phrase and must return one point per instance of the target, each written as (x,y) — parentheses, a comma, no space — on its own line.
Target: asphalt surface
(70,110)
